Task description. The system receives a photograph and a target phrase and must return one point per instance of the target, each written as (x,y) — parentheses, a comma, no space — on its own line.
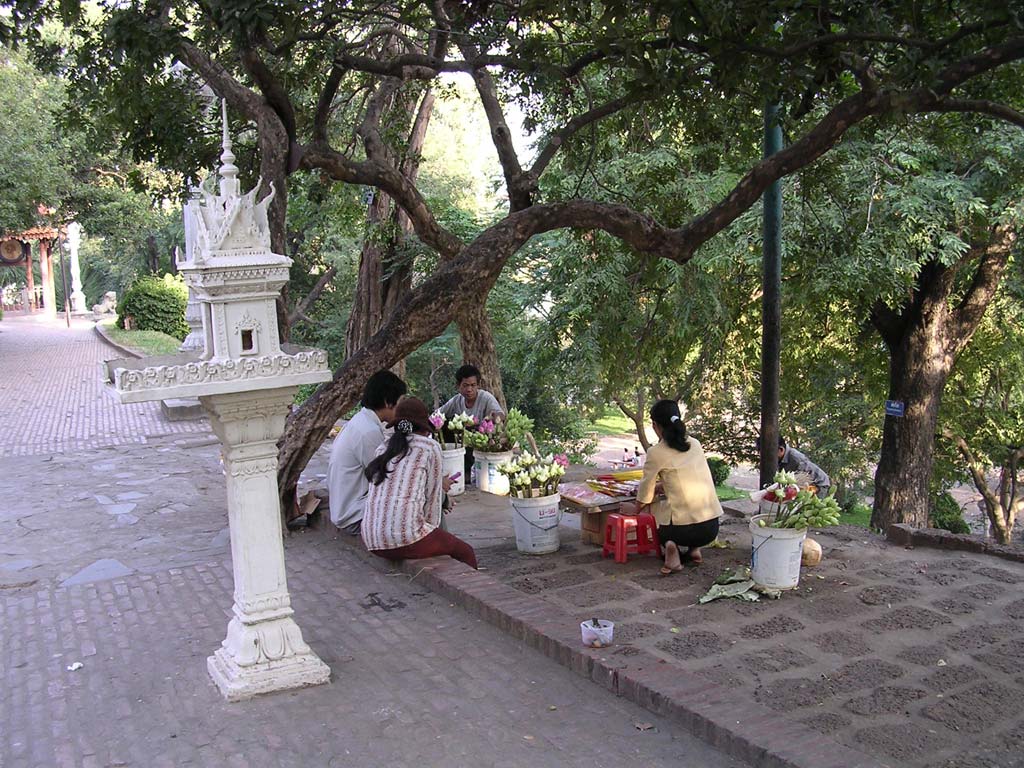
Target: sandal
(672,561)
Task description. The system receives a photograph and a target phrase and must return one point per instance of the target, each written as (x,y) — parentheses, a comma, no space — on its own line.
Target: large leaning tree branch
(241,98)
(519,192)
(987,276)
(270,86)
(559,137)
(982,107)
(390,180)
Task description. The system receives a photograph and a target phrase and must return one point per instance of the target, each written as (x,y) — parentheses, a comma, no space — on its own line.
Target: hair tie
(404,426)
(673,419)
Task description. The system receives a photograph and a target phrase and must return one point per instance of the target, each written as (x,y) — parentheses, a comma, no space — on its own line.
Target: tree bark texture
(918,370)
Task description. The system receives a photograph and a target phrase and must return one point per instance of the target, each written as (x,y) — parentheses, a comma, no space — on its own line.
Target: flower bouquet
(790,506)
(498,436)
(532,476)
(455,426)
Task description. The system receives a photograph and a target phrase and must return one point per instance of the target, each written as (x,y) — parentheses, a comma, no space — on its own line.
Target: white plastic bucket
(596,637)
(775,555)
(535,522)
(454,460)
(488,478)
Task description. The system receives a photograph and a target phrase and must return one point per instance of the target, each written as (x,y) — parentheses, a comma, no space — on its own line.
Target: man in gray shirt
(472,400)
(791,460)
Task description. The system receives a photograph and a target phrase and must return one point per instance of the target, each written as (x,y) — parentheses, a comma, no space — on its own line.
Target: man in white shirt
(355,448)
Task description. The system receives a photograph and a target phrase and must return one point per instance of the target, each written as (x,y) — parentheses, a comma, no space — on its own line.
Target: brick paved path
(415,681)
(52,396)
(113,553)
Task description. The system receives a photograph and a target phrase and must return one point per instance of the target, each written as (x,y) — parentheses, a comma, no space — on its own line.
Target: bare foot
(693,557)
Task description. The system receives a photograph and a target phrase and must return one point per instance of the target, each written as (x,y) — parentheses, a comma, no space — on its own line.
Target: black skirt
(691,536)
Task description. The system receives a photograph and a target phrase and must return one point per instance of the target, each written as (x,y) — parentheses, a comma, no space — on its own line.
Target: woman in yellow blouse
(688,515)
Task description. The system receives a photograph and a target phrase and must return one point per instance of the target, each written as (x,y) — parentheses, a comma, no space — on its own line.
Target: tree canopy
(599,84)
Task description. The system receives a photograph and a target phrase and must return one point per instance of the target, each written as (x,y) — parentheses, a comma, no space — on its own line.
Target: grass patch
(858,514)
(612,422)
(728,493)
(146,342)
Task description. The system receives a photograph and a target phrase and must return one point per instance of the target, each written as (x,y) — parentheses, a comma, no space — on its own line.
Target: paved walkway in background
(52,395)
(114,553)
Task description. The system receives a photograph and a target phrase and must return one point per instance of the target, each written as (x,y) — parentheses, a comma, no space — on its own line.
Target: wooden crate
(592,520)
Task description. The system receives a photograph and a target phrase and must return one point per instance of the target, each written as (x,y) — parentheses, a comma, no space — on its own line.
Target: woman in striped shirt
(402,520)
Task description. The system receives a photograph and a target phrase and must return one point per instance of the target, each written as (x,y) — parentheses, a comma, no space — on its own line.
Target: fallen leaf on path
(644,726)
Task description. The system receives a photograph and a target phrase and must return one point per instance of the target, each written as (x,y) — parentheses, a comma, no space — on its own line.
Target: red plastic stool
(617,539)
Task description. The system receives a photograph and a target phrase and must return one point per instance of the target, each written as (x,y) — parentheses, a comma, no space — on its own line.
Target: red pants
(433,544)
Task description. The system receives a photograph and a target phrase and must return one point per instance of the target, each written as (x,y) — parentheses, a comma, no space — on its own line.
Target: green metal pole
(771,305)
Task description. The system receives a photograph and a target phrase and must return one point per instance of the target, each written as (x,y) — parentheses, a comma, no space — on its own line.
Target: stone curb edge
(909,536)
(128,351)
(737,726)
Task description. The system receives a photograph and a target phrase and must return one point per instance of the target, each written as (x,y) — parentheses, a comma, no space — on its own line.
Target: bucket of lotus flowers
(450,433)
(778,533)
(492,441)
(533,493)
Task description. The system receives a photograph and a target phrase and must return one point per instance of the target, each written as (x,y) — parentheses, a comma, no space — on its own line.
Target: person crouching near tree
(402,520)
(688,515)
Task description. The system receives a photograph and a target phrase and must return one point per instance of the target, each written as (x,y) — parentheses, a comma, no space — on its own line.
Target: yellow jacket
(689,490)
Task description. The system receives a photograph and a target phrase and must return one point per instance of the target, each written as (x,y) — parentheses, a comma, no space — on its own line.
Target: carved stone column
(74,240)
(46,271)
(264,650)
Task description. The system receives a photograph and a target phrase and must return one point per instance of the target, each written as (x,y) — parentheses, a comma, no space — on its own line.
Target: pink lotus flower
(437,419)
(562,460)
(487,427)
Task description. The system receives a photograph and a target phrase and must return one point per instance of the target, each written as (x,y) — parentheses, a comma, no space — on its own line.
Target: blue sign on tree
(894,408)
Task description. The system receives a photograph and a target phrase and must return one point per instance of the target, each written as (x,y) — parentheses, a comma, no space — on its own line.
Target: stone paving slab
(910,656)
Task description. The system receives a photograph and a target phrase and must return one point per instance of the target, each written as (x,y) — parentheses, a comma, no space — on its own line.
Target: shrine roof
(32,233)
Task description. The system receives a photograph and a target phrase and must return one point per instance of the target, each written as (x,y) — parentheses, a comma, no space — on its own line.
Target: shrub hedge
(720,469)
(155,304)
(946,514)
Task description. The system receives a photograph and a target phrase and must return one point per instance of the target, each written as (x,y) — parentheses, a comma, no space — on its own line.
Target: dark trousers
(689,536)
(434,544)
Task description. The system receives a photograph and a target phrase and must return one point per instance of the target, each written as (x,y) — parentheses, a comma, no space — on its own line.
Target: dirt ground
(912,656)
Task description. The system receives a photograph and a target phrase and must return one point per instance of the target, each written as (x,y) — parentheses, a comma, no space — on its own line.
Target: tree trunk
(384,277)
(477,345)
(368,303)
(917,376)
(274,146)
(637,417)
(924,340)
(153,254)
